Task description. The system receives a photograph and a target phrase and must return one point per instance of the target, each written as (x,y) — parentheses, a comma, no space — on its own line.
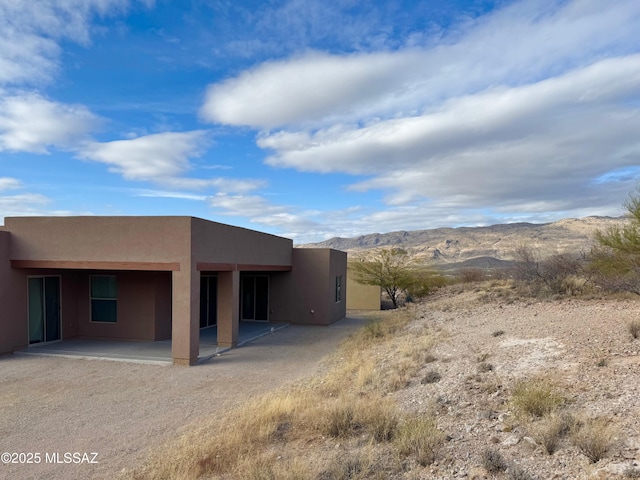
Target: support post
(228,308)
(185,328)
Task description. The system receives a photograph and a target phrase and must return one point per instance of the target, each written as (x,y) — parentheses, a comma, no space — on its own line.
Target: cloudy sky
(313,119)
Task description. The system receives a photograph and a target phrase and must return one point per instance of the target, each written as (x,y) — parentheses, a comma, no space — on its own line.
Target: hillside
(482,245)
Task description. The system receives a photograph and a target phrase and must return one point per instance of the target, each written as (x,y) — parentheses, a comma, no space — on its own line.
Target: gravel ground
(583,345)
(122,410)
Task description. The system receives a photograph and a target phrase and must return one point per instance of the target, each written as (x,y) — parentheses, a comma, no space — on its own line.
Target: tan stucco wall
(362,297)
(162,301)
(218,243)
(144,305)
(307,294)
(138,294)
(13,301)
(110,239)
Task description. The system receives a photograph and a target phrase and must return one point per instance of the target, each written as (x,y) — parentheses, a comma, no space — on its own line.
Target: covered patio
(149,352)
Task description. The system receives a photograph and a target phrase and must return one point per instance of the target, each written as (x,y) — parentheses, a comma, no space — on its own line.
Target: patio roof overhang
(96,265)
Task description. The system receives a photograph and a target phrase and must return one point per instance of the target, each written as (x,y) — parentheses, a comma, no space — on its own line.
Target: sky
(312,119)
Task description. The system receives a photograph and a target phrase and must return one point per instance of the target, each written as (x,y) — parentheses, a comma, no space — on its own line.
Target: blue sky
(314,119)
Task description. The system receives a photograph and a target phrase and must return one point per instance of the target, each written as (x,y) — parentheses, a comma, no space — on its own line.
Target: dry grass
(634,328)
(349,403)
(493,461)
(432,376)
(420,438)
(551,431)
(595,438)
(537,397)
(272,467)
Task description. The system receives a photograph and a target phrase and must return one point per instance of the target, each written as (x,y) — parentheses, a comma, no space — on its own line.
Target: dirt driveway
(56,406)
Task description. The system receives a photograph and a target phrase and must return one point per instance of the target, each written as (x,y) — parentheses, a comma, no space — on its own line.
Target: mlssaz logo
(72,457)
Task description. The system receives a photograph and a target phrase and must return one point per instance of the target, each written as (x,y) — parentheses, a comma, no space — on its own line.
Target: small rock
(511,440)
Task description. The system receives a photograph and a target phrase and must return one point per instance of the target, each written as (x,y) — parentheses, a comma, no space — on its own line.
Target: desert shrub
(617,258)
(614,271)
(347,466)
(537,397)
(432,376)
(420,438)
(493,461)
(422,282)
(516,472)
(561,274)
(634,328)
(527,265)
(269,467)
(380,419)
(347,416)
(376,330)
(429,358)
(485,367)
(550,431)
(498,333)
(594,439)
(339,420)
(481,357)
(470,275)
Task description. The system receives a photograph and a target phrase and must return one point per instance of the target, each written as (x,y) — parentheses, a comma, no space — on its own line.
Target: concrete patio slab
(148,352)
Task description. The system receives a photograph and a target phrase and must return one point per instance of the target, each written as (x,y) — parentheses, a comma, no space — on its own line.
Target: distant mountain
(442,246)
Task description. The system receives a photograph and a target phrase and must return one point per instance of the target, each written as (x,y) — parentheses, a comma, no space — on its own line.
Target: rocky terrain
(489,343)
(480,246)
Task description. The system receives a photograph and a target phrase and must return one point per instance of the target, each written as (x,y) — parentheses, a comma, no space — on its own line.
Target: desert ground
(124,410)
(485,341)
(489,342)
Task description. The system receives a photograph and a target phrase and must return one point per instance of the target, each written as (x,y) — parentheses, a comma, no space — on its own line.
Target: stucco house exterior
(362,297)
(157,278)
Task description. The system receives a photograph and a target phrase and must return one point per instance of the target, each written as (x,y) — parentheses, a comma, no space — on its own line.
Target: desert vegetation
(346,417)
(400,399)
(480,377)
(396,273)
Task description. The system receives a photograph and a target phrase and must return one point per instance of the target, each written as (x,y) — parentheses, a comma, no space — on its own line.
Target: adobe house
(157,278)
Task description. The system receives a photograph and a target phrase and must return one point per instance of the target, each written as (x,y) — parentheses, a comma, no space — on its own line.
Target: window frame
(338,291)
(112,299)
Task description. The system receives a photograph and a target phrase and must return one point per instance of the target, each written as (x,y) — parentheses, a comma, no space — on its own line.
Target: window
(338,288)
(103,298)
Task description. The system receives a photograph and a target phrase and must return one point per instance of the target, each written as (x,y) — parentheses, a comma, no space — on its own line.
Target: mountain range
(482,247)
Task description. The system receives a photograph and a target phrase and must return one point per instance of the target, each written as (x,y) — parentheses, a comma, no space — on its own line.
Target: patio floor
(146,351)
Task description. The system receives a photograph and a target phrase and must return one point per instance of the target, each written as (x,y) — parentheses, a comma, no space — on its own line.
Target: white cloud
(158,157)
(26,204)
(31,123)
(221,184)
(522,43)
(20,203)
(298,90)
(30,34)
(286,220)
(528,113)
(502,142)
(8,183)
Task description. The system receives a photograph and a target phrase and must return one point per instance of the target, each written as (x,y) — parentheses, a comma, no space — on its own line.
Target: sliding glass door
(44,309)
(255,297)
